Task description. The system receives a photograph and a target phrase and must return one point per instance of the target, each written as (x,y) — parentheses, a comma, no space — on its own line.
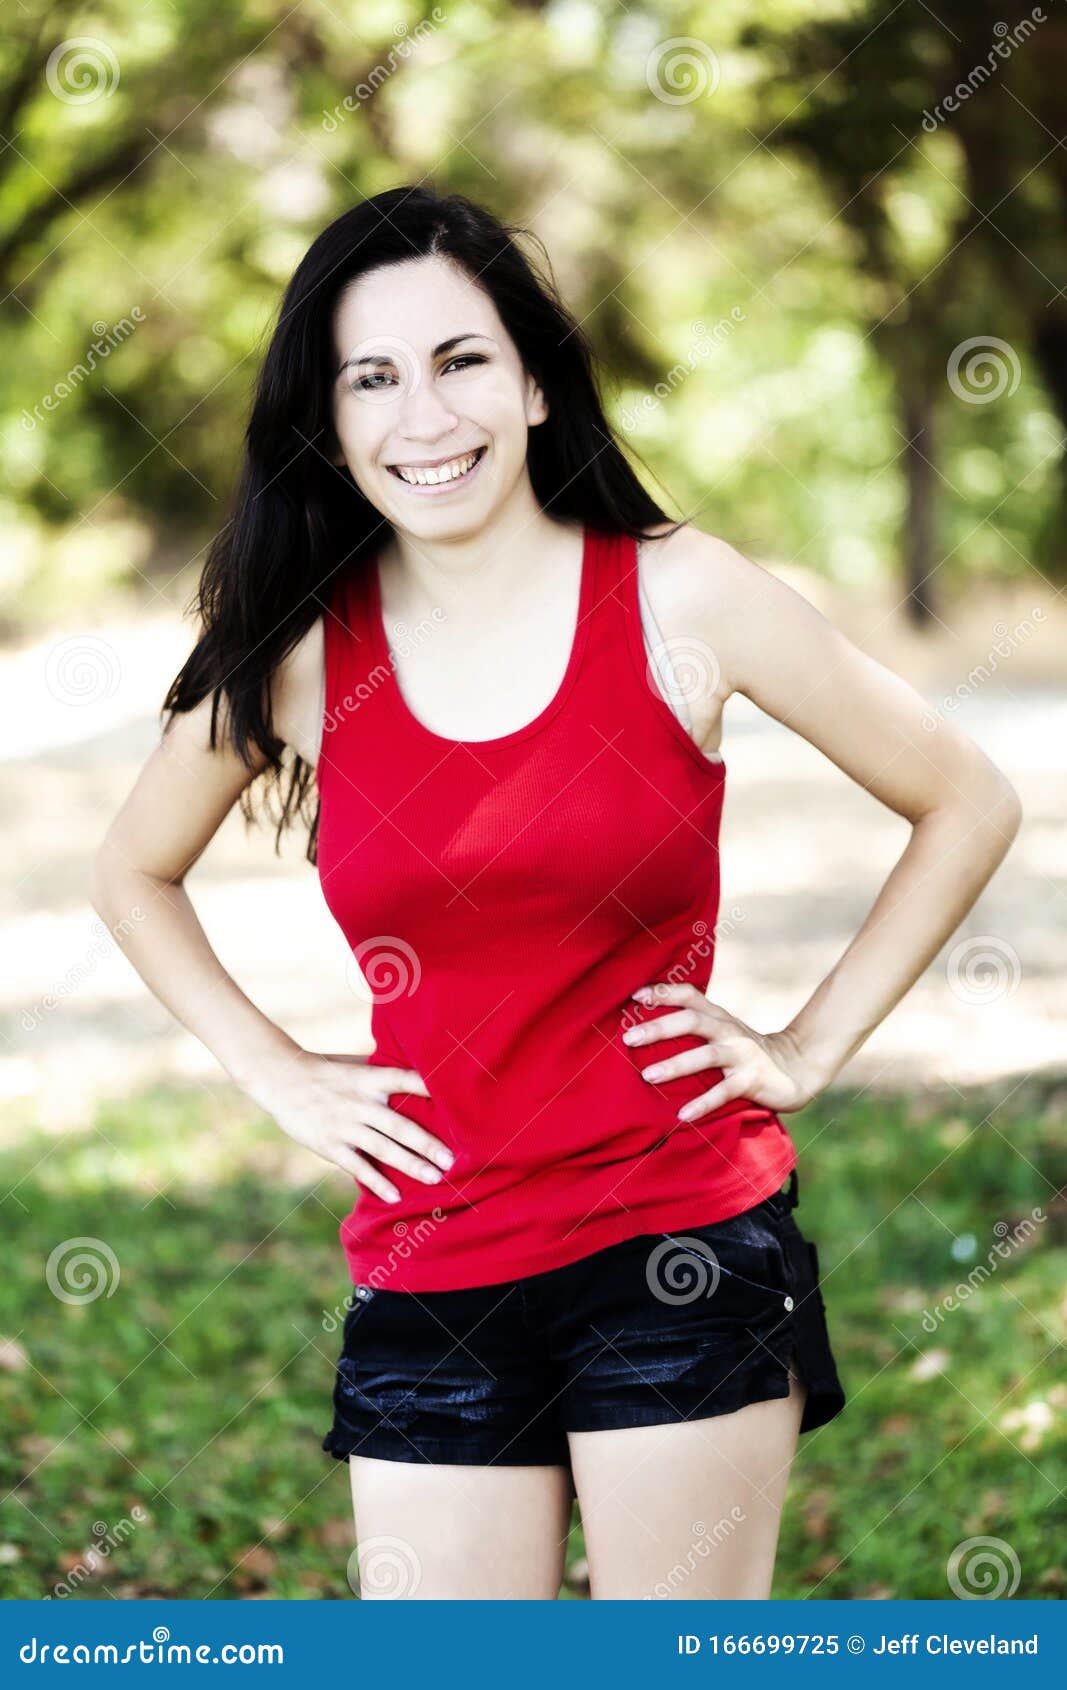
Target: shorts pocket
(746,1248)
(362,1298)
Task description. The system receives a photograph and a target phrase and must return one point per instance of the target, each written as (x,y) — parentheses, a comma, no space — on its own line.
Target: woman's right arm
(179,800)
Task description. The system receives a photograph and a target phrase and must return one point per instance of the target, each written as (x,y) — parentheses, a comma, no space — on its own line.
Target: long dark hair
(299,519)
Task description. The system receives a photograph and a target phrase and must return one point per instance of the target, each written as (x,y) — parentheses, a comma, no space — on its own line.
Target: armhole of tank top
(659,656)
(632,594)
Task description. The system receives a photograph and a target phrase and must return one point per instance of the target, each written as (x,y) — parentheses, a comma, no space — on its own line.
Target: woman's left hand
(767,1068)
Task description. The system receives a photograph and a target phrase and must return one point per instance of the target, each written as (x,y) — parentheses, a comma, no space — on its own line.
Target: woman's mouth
(438,478)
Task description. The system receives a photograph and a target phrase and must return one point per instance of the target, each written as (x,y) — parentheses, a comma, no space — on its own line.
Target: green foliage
(772,252)
(200,1388)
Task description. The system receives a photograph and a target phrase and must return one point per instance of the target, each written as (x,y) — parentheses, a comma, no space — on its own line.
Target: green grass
(199,1390)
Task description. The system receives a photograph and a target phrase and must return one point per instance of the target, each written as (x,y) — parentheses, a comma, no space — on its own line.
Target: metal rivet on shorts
(789,1302)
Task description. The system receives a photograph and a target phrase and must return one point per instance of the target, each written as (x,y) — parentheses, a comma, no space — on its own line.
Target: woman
(577,1271)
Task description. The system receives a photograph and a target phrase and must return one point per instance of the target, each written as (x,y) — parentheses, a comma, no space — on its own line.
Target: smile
(439,475)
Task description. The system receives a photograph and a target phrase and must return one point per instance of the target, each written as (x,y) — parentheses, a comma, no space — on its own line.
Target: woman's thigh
(440,1531)
(687,1509)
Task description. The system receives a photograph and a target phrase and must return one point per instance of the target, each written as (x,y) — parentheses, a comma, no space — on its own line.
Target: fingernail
(631,1036)
(642,994)
(392,1195)
(653,1073)
(444,1158)
(430,1175)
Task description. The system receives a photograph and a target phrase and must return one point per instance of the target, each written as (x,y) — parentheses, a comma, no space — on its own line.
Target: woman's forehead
(425,300)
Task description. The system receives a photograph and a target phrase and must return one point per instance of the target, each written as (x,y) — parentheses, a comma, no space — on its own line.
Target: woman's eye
(377,380)
(368,384)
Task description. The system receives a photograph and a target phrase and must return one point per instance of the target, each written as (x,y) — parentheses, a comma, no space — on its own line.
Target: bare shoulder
(774,646)
(681,556)
(296,694)
(701,587)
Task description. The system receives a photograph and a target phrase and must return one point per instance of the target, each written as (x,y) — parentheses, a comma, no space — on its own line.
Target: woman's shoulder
(698,584)
(684,559)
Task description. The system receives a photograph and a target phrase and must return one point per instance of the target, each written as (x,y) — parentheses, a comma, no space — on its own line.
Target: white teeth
(443,472)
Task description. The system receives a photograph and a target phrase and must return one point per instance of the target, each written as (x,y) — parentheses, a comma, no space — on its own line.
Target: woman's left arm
(773,646)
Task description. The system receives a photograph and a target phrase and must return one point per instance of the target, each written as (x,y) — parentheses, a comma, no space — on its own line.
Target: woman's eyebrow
(468,334)
(442,347)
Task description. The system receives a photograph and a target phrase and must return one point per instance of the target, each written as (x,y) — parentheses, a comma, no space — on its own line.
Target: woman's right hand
(335,1105)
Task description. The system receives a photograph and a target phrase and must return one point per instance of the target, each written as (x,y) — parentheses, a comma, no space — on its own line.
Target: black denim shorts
(662,1327)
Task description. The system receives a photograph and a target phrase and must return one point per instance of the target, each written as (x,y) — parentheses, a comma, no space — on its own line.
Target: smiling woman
(576,1270)
(377,373)
(440,472)
(444,422)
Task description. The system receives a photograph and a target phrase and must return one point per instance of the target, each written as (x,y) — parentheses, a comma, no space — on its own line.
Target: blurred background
(821,253)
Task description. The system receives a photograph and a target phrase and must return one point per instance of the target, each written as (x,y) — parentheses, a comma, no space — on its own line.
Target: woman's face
(431,403)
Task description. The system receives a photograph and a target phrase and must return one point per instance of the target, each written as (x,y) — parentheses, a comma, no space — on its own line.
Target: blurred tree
(939,135)
(774,339)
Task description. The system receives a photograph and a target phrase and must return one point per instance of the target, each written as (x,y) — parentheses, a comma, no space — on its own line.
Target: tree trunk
(918,538)
(1050,345)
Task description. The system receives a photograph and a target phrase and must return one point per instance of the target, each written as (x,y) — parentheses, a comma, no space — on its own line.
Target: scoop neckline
(380,639)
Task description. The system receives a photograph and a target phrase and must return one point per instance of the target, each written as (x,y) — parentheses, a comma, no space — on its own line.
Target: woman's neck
(481,576)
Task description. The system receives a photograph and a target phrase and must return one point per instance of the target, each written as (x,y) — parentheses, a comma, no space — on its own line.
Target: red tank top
(503,898)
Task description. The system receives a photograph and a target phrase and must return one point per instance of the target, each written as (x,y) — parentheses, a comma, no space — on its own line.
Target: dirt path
(804,852)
